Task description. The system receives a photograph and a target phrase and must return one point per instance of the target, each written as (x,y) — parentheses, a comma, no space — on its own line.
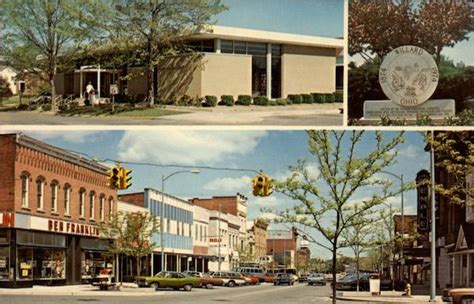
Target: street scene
(225,62)
(239,216)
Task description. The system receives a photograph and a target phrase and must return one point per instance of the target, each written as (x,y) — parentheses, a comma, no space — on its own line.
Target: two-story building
(51,202)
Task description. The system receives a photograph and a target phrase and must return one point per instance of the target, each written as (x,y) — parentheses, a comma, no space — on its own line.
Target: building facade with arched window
(51,202)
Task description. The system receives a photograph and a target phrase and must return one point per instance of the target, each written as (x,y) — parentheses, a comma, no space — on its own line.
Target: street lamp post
(400,178)
(162,241)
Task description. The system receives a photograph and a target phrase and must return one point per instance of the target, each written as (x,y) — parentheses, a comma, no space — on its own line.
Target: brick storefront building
(282,246)
(51,201)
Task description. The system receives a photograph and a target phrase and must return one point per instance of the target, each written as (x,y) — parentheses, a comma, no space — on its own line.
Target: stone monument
(408,76)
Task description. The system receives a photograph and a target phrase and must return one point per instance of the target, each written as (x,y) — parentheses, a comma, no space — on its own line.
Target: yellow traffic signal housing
(114,178)
(258,184)
(267,188)
(125,178)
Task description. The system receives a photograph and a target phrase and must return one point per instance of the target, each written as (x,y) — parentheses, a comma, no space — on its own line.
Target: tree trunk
(139,265)
(357,270)
(334,260)
(150,85)
(54,105)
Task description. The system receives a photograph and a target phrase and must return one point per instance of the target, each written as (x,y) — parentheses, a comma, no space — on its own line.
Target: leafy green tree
(151,29)
(454,153)
(41,36)
(131,234)
(357,235)
(324,203)
(4,88)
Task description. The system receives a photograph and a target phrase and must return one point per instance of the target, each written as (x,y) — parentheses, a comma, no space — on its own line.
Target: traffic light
(258,184)
(262,185)
(125,178)
(267,188)
(114,178)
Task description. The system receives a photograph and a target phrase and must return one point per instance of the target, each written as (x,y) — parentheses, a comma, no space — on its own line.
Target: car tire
(209,286)
(231,284)
(188,287)
(274,283)
(467,300)
(155,286)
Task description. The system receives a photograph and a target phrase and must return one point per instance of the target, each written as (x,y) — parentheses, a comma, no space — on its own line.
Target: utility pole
(219,239)
(433,225)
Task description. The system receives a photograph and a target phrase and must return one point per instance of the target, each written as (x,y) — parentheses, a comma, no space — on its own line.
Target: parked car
(316,279)
(104,280)
(207,280)
(254,272)
(459,295)
(230,278)
(349,282)
(283,278)
(268,278)
(170,279)
(303,277)
(252,280)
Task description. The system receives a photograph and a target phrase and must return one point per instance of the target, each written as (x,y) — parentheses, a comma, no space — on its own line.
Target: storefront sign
(423,199)
(7,219)
(72,228)
(215,240)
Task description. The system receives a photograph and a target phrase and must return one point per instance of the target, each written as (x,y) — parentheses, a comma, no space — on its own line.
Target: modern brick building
(282,246)
(51,201)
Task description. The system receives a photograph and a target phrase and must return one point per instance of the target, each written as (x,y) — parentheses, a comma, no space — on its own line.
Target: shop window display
(49,264)
(94,262)
(4,263)
(24,264)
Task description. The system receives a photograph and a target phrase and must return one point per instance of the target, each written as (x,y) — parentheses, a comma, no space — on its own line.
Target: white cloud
(410,151)
(269,201)
(269,216)
(187,147)
(75,137)
(235,184)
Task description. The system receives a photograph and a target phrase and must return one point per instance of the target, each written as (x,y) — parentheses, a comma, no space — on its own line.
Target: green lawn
(13,101)
(148,112)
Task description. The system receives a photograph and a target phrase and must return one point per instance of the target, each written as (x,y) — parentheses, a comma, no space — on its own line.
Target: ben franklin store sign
(72,228)
(423,199)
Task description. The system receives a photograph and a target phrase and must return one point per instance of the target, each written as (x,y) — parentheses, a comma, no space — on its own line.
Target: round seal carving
(408,76)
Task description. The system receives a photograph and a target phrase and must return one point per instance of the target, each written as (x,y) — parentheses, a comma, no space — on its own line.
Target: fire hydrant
(408,290)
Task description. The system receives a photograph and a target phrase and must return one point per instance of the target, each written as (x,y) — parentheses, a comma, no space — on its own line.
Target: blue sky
(306,17)
(271,151)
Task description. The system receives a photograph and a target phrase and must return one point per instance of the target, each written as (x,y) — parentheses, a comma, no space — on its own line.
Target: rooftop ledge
(233,33)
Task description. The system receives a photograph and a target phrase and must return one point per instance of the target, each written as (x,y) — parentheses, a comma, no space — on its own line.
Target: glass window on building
(227,46)
(196,232)
(4,263)
(178,227)
(101,207)
(168,225)
(49,264)
(92,205)
(208,46)
(240,47)
(190,231)
(25,181)
(111,204)
(93,262)
(82,197)
(67,199)
(200,233)
(24,264)
(54,196)
(40,193)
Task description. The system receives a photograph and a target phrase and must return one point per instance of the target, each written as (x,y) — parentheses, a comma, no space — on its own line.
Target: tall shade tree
(378,26)
(40,36)
(358,234)
(132,234)
(454,153)
(153,28)
(325,203)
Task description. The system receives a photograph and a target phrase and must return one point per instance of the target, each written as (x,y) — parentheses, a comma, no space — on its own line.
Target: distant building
(257,239)
(282,246)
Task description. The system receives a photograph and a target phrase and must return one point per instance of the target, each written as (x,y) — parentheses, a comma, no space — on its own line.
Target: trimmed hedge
(319,98)
(338,97)
(261,101)
(295,99)
(282,101)
(307,98)
(228,100)
(211,101)
(244,100)
(330,98)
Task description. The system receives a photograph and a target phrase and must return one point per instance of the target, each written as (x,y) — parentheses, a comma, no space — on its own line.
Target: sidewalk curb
(381,301)
(84,293)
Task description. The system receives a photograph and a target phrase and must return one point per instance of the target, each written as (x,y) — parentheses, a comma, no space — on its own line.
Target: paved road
(299,293)
(301,115)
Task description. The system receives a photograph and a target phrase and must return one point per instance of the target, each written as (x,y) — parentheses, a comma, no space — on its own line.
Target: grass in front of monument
(13,101)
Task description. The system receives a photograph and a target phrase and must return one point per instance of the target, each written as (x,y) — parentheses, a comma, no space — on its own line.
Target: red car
(252,280)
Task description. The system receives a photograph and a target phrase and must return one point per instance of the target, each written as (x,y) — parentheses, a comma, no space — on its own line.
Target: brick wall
(228,204)
(50,169)
(137,199)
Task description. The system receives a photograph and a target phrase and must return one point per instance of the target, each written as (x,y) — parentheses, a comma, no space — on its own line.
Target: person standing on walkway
(89,92)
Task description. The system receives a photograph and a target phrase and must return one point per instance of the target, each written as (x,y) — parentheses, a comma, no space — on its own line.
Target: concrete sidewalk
(83,290)
(385,297)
